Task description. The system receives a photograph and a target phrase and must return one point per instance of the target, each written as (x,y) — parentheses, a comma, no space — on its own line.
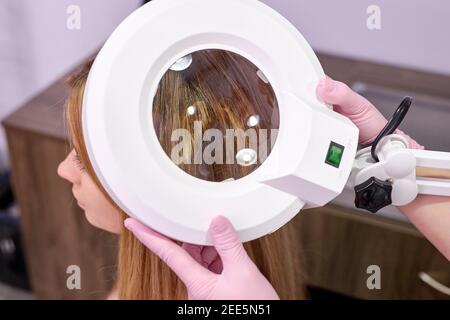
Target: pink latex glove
(358,109)
(222,272)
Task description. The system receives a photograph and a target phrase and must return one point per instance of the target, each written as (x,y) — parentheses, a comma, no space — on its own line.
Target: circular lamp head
(198,108)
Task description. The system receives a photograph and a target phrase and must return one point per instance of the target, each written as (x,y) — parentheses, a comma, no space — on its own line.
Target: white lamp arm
(399,175)
(433,172)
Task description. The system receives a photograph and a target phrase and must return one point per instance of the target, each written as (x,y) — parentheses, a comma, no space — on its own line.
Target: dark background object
(6,195)
(316,293)
(12,262)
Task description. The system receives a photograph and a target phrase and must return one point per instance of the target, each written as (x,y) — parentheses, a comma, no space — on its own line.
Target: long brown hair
(224,90)
(140,273)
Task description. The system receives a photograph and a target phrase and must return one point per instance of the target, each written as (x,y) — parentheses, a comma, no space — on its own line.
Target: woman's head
(141,275)
(77,169)
(99,211)
(223,89)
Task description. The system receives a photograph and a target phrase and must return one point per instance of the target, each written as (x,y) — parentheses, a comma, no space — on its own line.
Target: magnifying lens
(198,108)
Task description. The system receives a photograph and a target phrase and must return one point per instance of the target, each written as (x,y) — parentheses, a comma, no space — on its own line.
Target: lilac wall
(414,33)
(36,47)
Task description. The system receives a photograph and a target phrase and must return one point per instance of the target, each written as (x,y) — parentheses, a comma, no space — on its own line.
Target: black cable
(392,125)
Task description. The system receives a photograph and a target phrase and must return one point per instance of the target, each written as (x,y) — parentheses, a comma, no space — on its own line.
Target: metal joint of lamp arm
(399,176)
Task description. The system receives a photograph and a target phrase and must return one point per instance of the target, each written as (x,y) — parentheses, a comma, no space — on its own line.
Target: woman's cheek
(99,211)
(104,216)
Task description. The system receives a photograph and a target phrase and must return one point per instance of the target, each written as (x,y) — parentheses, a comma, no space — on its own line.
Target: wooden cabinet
(338,246)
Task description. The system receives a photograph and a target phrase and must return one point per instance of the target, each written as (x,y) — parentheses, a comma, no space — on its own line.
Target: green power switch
(334,154)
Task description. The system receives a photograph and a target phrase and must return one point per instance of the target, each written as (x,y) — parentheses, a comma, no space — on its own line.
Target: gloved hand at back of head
(358,109)
(222,272)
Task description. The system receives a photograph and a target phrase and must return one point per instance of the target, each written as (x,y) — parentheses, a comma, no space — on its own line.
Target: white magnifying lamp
(311,159)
